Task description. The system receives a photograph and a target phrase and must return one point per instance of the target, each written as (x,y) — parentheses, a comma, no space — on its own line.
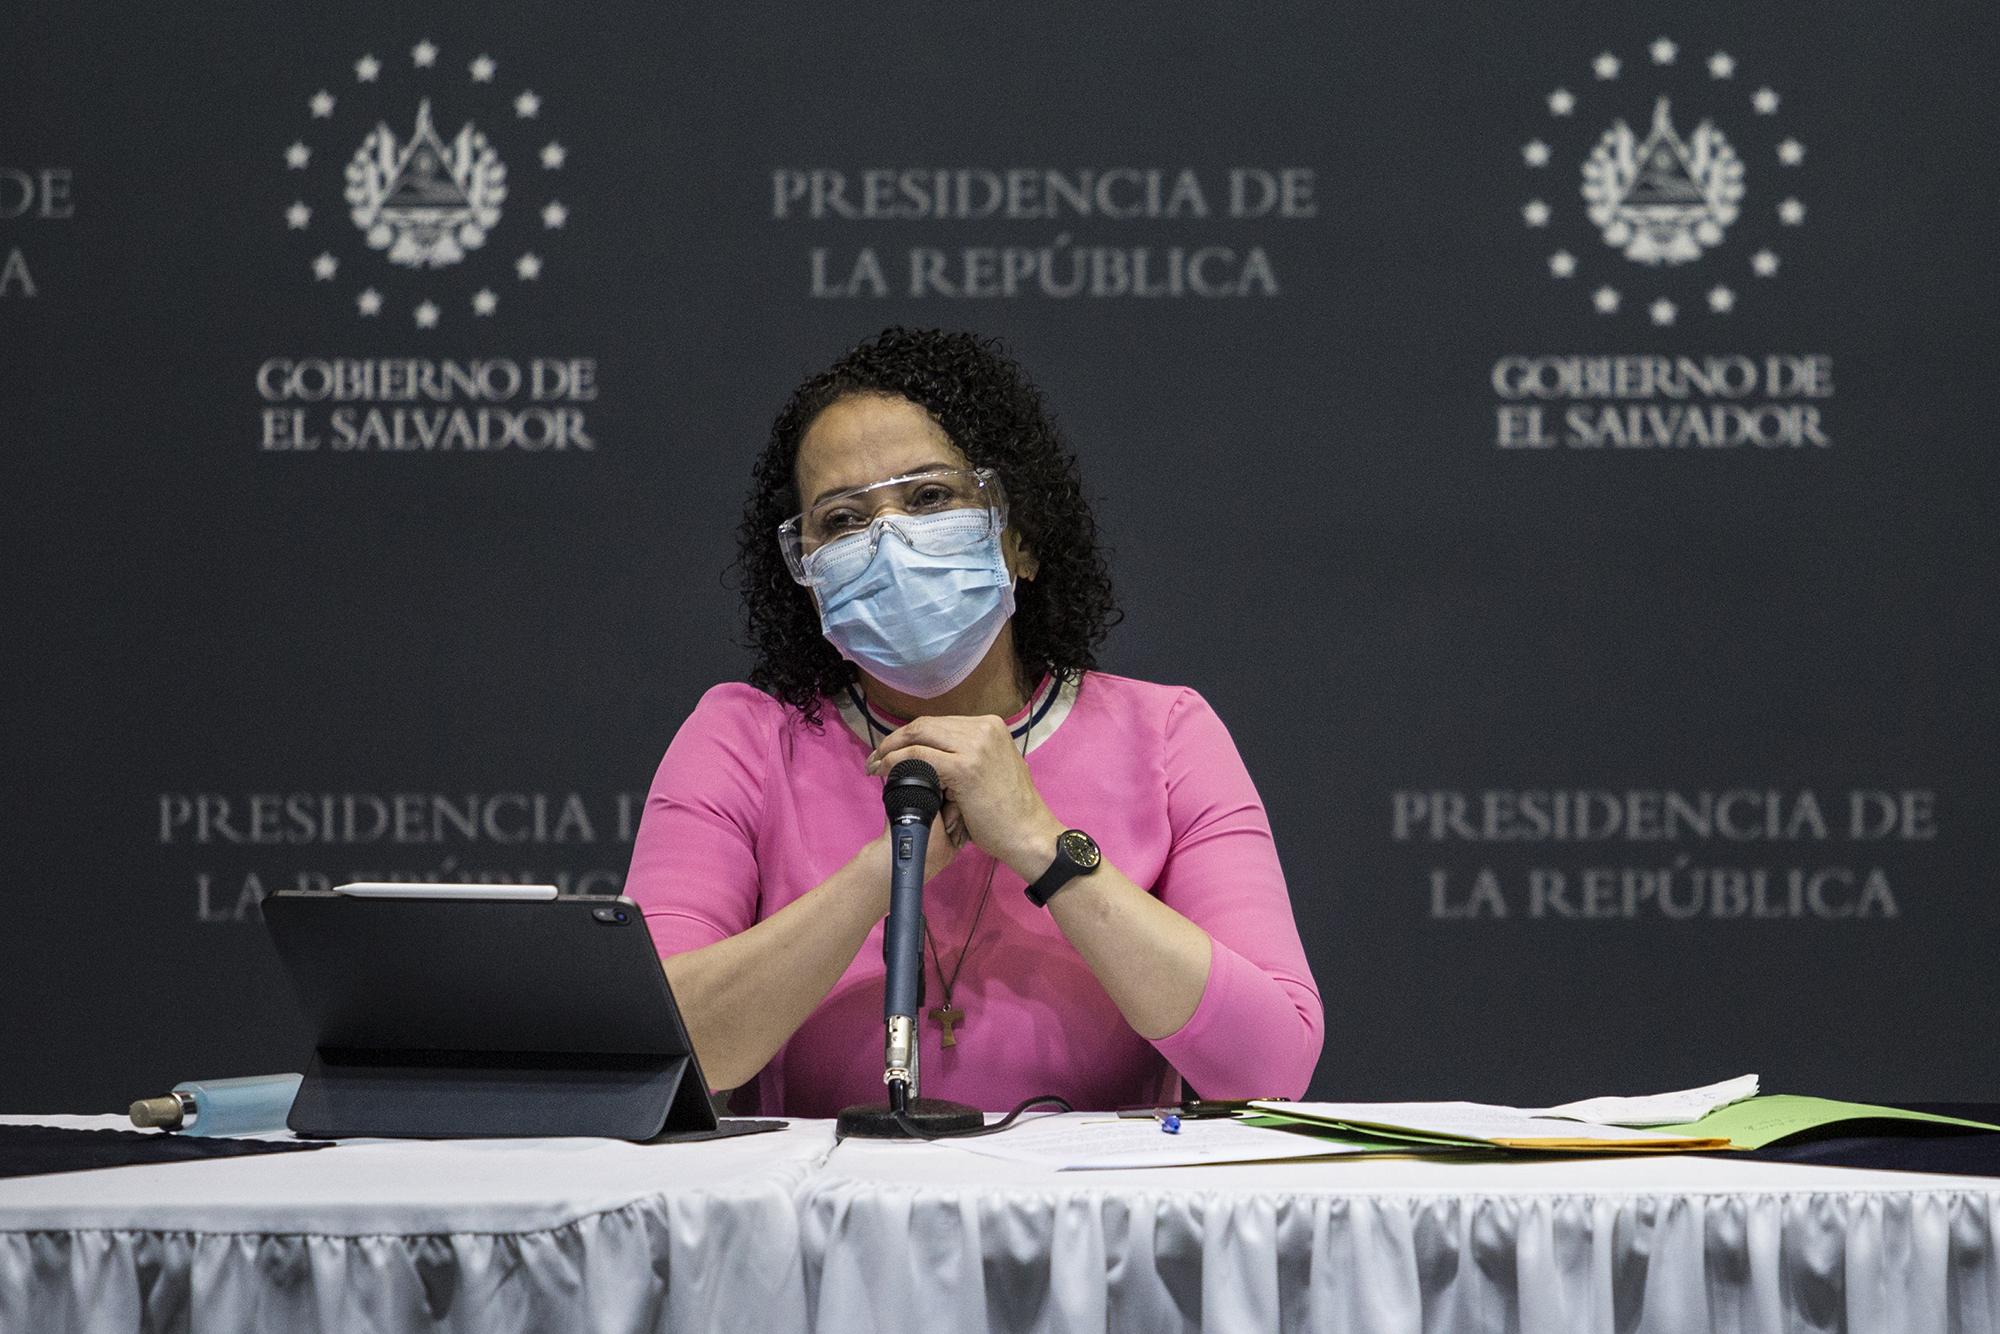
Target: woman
(924,581)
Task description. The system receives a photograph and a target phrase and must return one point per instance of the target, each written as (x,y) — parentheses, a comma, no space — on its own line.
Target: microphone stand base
(937,1115)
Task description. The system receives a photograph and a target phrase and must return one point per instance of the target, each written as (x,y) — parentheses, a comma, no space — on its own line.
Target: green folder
(1750,1124)
(1756,1122)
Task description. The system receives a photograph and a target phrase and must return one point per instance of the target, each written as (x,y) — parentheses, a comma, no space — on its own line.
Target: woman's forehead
(864,438)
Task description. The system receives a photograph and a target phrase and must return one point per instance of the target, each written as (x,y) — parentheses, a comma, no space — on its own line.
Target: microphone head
(913,790)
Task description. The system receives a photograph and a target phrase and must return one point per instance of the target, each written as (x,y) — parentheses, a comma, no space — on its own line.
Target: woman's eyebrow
(917,471)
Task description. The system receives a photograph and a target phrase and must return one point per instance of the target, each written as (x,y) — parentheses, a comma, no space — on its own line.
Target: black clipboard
(447,1012)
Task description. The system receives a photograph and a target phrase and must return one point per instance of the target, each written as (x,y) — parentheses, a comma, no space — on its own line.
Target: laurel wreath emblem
(1655,233)
(426,234)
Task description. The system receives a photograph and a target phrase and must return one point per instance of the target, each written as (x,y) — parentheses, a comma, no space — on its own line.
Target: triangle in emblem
(1664,172)
(423,176)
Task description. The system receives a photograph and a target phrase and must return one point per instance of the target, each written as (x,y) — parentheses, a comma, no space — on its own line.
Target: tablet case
(462,1018)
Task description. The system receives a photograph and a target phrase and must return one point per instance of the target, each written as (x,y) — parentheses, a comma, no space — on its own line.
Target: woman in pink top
(924,581)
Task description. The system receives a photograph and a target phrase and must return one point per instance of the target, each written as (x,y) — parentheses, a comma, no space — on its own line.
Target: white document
(1658,1109)
(1459,1120)
(1095,1140)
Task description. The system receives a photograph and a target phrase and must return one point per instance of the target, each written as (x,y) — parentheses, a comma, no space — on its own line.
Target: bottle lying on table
(251,1105)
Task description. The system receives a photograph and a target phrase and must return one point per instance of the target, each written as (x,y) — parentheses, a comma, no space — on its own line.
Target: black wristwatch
(1076,854)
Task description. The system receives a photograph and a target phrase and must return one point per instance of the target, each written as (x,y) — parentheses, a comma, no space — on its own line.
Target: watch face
(1080,848)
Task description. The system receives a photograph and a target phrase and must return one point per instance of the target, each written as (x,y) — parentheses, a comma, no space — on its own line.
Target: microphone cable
(911,1128)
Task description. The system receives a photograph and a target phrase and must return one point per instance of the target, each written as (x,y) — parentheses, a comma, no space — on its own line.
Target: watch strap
(1066,867)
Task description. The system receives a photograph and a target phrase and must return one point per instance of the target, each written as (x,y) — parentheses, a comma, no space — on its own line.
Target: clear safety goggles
(835,539)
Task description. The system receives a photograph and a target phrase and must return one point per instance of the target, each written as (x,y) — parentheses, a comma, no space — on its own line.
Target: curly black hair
(997,418)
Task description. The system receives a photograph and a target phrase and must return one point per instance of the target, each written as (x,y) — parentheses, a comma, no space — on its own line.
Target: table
(483,1236)
(1667,1243)
(788,1232)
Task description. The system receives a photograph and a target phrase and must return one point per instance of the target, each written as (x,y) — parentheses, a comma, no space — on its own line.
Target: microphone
(912,798)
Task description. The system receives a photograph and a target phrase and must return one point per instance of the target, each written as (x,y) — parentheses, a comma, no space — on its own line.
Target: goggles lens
(947,512)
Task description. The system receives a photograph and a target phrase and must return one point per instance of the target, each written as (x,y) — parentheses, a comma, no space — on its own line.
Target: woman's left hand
(987,786)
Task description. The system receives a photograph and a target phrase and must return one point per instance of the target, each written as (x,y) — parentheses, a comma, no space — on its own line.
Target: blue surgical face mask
(919,623)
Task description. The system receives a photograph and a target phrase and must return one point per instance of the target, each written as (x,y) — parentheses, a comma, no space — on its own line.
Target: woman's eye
(840,521)
(931,497)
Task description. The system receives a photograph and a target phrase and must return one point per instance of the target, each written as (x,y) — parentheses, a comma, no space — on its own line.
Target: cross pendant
(948,1018)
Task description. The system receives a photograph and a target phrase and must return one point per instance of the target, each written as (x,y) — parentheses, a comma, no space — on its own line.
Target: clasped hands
(990,797)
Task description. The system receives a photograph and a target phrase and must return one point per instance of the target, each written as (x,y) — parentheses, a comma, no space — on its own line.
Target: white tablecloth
(1635,1244)
(483,1236)
(785,1232)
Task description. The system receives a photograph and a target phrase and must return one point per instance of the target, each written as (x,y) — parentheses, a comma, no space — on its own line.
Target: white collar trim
(1045,715)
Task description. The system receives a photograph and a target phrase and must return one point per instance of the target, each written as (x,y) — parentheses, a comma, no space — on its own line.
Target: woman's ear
(1021,562)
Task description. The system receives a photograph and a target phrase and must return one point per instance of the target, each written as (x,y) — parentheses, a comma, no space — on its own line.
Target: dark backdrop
(1612,636)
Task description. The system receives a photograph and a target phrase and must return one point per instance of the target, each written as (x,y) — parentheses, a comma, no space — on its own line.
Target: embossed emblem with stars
(402,192)
(1682,214)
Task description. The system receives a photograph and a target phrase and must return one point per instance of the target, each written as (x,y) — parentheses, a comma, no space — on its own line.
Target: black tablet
(448,1011)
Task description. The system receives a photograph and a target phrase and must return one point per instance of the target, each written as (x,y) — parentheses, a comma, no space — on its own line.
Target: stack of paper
(1487,1124)
(1658,1109)
(1612,1124)
(1093,1141)
(1719,1116)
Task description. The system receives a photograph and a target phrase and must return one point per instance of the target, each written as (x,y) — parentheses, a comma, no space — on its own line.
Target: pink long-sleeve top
(752,808)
